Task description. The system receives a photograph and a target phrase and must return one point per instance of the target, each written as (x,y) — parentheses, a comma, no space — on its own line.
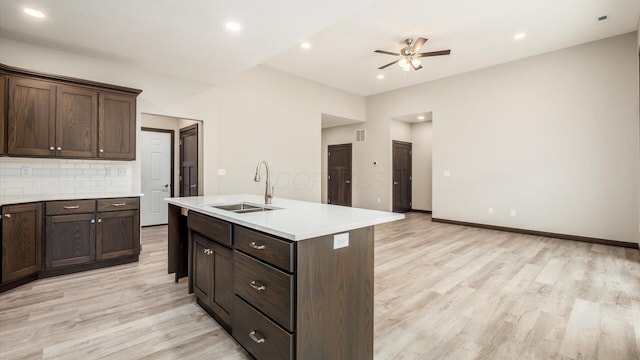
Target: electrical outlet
(26,171)
(340,240)
(513,212)
(122,171)
(490,210)
(109,171)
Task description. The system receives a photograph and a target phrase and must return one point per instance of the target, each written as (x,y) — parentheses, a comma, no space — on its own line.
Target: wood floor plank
(441,291)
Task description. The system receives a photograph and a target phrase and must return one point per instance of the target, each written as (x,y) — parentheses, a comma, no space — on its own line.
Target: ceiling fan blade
(418,44)
(433,53)
(389,64)
(387,52)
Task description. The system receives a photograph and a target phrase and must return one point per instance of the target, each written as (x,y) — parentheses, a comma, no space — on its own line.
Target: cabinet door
(117,234)
(76,122)
(3,111)
(31,117)
(21,241)
(202,267)
(117,127)
(221,300)
(69,240)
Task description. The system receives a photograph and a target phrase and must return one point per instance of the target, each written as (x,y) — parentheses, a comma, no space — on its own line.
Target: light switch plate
(26,171)
(222,171)
(447,173)
(340,240)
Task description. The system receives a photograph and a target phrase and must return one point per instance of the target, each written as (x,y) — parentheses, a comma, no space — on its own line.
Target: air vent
(361,135)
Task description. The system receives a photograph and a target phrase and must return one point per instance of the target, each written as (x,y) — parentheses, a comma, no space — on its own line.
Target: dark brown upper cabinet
(31,117)
(56,116)
(117,123)
(3,115)
(76,122)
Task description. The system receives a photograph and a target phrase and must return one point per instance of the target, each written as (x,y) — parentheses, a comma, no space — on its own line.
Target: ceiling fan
(409,55)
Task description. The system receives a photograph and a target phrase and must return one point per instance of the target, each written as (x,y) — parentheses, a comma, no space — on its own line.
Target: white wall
(554,137)
(421,139)
(162,94)
(400,131)
(269,115)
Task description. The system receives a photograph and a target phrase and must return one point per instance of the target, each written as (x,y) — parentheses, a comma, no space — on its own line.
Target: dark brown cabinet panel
(70,240)
(21,241)
(117,234)
(76,122)
(117,127)
(31,117)
(3,112)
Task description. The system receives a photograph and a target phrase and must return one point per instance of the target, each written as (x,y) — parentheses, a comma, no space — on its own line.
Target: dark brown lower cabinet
(117,234)
(70,240)
(21,241)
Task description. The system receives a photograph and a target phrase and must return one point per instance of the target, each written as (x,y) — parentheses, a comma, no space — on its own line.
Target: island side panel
(177,242)
(335,297)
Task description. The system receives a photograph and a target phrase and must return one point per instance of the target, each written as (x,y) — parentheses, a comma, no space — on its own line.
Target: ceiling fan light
(406,68)
(403,62)
(415,62)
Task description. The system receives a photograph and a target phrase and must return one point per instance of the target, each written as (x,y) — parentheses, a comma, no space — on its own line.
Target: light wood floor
(442,292)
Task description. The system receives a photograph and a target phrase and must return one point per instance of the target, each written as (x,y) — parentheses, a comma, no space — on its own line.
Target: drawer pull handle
(119,204)
(256,246)
(257,285)
(72,207)
(8,216)
(254,336)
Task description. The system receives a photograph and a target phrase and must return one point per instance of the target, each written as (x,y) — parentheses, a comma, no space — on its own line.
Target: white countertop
(295,220)
(18,199)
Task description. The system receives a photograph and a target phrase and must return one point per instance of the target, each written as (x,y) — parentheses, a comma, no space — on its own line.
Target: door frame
(173,150)
(393,147)
(350,146)
(185,129)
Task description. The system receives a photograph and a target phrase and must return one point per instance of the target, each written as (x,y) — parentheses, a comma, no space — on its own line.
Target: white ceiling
(187,38)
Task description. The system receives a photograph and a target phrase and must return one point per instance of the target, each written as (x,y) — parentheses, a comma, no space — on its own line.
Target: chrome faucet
(268,191)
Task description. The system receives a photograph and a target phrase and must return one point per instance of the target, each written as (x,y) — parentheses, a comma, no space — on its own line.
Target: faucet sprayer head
(257,177)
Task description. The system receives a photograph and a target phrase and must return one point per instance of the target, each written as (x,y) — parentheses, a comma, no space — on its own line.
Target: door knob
(348,182)
(166,185)
(192,186)
(395,183)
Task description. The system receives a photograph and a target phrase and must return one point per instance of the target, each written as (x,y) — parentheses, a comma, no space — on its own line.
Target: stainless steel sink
(243,207)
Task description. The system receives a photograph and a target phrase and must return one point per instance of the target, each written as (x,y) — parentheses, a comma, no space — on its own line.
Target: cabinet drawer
(70,207)
(259,335)
(116,204)
(214,229)
(276,252)
(265,287)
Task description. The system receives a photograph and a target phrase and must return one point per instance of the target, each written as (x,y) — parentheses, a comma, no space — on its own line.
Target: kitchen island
(289,280)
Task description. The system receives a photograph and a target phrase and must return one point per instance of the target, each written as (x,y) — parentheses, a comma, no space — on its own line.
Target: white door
(156,177)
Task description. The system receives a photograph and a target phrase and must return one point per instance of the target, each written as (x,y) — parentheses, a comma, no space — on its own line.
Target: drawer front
(259,335)
(70,207)
(214,229)
(266,288)
(116,204)
(276,252)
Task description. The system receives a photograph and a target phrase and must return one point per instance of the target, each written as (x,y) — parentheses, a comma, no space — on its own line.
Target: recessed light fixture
(233,26)
(34,12)
(421,117)
(306,45)
(519,36)
(380,76)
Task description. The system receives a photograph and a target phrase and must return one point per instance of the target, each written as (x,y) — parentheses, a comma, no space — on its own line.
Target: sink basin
(243,207)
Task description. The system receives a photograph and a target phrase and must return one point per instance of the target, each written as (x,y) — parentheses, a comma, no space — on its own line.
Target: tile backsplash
(29,176)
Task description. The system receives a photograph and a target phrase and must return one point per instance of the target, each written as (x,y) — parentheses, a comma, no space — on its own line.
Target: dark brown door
(21,241)
(222,287)
(339,175)
(117,234)
(76,122)
(116,126)
(3,107)
(69,240)
(31,117)
(401,176)
(202,270)
(189,161)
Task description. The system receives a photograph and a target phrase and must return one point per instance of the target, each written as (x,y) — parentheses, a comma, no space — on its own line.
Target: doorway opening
(339,172)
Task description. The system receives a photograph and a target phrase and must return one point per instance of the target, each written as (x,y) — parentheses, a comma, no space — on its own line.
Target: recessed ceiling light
(421,117)
(380,76)
(34,12)
(306,45)
(519,36)
(233,26)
